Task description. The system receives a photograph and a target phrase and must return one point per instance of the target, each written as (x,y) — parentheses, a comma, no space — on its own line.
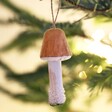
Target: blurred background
(87,76)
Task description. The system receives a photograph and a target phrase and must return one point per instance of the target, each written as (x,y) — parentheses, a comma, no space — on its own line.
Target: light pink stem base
(56,90)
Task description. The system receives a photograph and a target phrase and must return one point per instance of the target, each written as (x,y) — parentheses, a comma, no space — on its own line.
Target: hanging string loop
(54,19)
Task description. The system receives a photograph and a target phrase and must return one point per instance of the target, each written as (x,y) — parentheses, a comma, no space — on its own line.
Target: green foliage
(34,83)
(93,5)
(72,29)
(22,17)
(23,41)
(102,80)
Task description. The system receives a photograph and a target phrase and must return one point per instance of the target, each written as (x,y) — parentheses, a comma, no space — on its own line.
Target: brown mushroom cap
(55,44)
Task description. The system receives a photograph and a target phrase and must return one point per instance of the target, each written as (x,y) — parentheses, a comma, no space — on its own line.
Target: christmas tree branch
(101,80)
(94,6)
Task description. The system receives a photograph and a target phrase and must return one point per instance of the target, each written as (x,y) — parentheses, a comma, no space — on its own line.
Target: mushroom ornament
(55,49)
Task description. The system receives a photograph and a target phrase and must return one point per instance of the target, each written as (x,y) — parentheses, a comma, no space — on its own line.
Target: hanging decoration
(55,49)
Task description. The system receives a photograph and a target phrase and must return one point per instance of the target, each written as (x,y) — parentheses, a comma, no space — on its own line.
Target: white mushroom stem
(56,90)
